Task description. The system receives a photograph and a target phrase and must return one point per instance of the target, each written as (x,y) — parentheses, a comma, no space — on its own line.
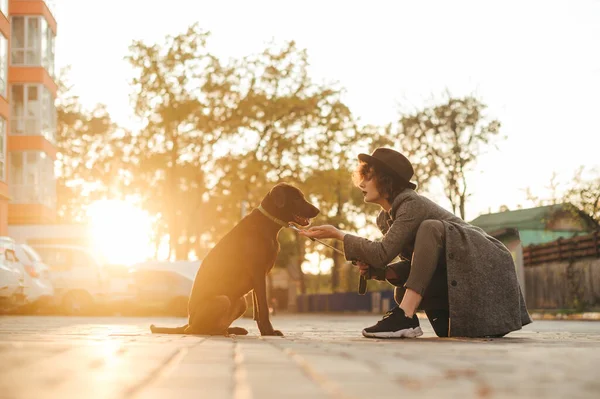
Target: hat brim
(374,161)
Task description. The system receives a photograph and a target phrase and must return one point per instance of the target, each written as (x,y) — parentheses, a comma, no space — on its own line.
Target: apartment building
(27,113)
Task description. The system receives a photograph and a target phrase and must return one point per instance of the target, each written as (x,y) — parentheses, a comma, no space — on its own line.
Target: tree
(448,138)
(89,147)
(410,145)
(174,97)
(216,135)
(582,191)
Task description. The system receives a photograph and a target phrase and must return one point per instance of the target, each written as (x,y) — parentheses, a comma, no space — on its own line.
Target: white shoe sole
(406,333)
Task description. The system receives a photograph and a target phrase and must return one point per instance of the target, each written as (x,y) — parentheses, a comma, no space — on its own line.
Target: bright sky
(535,63)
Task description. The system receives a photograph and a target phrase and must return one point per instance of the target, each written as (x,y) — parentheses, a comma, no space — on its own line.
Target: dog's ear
(278,196)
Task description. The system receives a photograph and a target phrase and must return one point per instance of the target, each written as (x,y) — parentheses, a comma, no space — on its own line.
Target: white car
(12,279)
(165,285)
(39,290)
(80,279)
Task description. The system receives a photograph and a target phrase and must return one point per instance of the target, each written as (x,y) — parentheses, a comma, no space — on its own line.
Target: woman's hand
(363,269)
(370,273)
(324,231)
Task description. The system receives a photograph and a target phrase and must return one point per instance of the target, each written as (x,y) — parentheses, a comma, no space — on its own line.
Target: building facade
(27,113)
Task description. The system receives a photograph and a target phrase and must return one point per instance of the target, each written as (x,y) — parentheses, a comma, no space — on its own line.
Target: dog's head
(287,203)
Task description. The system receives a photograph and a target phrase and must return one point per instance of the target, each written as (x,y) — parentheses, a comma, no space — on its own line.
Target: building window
(32,43)
(32,111)
(4,7)
(47,48)
(2,149)
(32,178)
(3,64)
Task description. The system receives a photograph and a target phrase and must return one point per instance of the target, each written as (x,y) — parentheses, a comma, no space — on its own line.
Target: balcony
(34,194)
(32,42)
(32,111)
(32,178)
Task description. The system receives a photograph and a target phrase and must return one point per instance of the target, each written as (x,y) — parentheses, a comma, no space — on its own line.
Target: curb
(586,316)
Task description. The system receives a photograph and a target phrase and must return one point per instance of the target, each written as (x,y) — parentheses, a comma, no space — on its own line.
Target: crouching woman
(464,279)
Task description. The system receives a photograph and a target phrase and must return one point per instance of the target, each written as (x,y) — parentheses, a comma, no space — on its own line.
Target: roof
(523,219)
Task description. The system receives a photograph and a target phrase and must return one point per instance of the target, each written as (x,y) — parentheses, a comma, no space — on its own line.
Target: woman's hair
(388,185)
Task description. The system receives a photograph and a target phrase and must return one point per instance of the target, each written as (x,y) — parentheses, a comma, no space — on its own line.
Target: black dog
(239,263)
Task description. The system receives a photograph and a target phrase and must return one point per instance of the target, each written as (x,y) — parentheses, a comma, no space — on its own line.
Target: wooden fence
(563,249)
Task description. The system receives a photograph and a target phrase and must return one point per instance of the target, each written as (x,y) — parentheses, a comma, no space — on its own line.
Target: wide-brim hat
(392,162)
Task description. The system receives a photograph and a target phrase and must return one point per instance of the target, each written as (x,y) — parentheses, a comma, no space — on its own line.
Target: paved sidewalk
(321,356)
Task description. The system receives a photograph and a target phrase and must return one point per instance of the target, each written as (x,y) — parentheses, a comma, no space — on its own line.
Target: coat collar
(385,219)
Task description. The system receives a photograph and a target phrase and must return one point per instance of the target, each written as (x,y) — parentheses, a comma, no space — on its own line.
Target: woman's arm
(323,231)
(399,239)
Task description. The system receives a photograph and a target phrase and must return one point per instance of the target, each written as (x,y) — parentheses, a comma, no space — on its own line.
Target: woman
(464,279)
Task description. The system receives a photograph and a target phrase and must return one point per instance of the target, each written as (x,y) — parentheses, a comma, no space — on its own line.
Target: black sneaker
(394,325)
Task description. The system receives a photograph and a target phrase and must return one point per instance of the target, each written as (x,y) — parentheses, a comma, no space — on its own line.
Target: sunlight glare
(316,263)
(121,231)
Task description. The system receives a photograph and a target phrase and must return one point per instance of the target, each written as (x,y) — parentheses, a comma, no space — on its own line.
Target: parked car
(164,286)
(12,279)
(39,291)
(37,286)
(82,282)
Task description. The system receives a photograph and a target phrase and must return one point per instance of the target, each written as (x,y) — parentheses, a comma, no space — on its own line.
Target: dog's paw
(278,333)
(237,331)
(152,328)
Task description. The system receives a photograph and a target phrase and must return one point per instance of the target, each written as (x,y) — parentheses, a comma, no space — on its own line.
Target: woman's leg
(428,254)
(421,281)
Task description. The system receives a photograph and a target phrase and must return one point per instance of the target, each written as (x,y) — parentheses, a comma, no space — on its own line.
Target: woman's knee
(431,234)
(431,227)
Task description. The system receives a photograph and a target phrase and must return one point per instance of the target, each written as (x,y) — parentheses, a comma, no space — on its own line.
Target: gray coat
(483,291)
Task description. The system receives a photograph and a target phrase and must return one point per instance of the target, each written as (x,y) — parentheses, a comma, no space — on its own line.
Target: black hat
(392,162)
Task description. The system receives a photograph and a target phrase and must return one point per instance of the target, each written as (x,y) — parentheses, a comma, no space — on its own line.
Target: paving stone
(321,356)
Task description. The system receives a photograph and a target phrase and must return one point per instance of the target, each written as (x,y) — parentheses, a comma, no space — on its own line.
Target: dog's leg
(260,290)
(238,309)
(211,317)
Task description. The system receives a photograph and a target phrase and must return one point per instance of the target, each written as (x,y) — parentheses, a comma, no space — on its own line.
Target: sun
(121,232)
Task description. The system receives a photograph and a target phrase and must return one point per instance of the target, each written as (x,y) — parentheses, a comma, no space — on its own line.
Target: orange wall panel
(32,7)
(30,214)
(31,143)
(3,217)
(18,74)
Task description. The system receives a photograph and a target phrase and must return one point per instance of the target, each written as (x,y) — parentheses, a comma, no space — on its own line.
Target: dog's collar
(273,218)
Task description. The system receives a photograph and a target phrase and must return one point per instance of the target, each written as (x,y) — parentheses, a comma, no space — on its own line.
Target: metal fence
(563,249)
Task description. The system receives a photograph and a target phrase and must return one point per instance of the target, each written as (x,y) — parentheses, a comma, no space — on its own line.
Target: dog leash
(362,282)
(294,227)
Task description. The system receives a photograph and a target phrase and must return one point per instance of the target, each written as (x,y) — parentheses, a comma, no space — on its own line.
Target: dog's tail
(168,330)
